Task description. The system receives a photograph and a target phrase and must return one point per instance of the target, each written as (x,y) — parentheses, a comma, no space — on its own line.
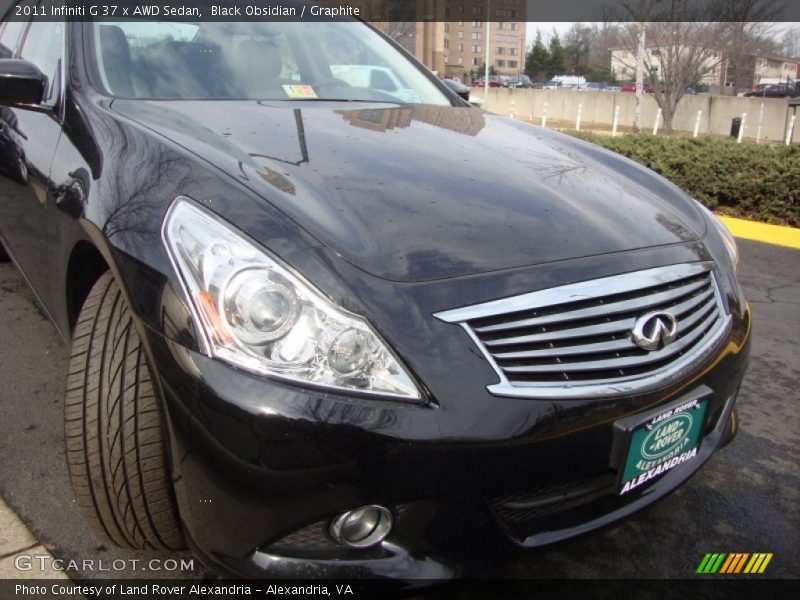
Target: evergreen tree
(537,61)
(556,63)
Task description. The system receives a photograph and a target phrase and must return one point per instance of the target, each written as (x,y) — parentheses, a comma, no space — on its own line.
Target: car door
(30,136)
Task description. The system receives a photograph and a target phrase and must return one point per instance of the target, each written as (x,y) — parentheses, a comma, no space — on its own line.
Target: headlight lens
(258,314)
(727,236)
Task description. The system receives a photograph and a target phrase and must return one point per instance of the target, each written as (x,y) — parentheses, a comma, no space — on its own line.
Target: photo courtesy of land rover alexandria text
(377,330)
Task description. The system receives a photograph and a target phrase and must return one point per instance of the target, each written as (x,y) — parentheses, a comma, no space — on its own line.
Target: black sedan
(328,319)
(781,90)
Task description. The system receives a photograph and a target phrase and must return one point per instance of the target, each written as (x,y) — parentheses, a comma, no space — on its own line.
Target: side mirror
(21,82)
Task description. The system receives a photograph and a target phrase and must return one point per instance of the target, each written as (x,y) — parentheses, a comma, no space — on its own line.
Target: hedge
(759,182)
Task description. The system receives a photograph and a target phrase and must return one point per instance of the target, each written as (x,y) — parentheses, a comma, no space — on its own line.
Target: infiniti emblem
(655,330)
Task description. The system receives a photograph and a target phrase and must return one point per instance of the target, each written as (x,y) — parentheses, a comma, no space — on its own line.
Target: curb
(16,541)
(777,235)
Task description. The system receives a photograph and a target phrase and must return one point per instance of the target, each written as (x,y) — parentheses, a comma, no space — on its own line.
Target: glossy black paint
(375,187)
(395,213)
(20,82)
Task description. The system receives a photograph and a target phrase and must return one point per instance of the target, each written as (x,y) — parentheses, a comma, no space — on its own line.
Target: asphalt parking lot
(746,499)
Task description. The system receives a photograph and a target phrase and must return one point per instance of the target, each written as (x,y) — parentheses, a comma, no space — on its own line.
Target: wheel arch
(85,266)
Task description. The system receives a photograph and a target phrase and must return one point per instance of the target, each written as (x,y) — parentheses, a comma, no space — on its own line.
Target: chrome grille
(576,340)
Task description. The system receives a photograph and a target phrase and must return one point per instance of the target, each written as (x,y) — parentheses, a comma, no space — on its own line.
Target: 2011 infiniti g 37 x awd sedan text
(326,318)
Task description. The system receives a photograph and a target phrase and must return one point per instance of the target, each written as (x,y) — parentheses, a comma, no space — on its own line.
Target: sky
(562,27)
(546,29)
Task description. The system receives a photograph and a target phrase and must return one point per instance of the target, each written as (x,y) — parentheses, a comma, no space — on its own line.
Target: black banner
(182,589)
(406,10)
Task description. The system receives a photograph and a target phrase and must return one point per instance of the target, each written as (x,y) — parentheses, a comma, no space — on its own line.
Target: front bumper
(261,467)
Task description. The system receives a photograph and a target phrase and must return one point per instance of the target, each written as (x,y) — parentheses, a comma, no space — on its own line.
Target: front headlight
(258,314)
(725,234)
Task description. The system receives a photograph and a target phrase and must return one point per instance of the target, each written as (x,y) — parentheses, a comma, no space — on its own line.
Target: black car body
(474,267)
(520,81)
(778,90)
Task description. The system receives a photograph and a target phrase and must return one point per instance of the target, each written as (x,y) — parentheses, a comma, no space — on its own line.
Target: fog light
(362,527)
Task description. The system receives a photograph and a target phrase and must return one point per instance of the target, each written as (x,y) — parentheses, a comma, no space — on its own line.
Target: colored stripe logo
(734,563)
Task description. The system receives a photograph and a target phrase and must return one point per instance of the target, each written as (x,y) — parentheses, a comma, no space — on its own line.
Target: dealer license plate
(662,443)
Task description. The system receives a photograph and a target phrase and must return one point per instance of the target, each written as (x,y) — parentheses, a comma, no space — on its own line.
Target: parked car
(458,87)
(631,88)
(594,86)
(305,347)
(494,81)
(521,81)
(780,90)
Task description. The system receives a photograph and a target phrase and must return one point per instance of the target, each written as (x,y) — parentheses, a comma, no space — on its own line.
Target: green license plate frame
(649,445)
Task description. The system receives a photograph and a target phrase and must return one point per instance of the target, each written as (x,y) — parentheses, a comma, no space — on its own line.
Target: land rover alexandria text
(328,319)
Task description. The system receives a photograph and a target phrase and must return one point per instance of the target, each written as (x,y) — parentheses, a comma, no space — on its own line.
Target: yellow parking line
(763,232)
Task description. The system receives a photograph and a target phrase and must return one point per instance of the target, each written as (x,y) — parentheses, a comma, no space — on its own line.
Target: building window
(500,50)
(461,47)
(475,62)
(501,63)
(461,60)
(476,48)
(461,35)
(476,35)
(446,43)
(512,64)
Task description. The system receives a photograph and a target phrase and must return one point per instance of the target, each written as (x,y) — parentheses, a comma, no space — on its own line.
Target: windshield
(342,60)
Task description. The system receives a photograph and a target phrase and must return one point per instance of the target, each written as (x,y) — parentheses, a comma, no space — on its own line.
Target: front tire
(114,437)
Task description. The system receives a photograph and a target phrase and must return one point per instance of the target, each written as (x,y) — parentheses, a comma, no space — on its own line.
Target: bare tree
(748,32)
(650,16)
(404,33)
(683,47)
(790,42)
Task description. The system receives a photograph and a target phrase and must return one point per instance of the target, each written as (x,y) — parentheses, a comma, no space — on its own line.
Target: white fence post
(578,118)
(741,128)
(616,121)
(790,131)
(760,121)
(655,124)
(697,123)
(544,116)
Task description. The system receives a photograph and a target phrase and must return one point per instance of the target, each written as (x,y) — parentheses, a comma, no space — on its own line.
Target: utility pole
(637,120)
(486,42)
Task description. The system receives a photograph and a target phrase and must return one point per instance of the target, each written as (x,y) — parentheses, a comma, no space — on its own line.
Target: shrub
(757,182)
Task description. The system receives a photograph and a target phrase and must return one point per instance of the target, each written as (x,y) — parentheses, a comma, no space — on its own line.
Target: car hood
(416,193)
